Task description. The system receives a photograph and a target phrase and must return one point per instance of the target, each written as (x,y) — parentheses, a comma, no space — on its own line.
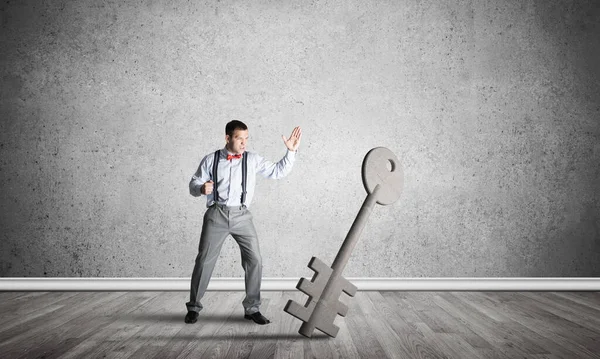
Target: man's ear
(226,138)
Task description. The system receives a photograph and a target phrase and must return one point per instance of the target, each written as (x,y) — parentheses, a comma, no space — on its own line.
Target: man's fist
(207,188)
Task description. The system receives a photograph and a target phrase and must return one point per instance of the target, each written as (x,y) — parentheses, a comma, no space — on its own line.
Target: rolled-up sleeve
(277,170)
(201,176)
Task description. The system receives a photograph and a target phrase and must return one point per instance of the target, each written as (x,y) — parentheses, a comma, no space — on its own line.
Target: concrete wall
(492,106)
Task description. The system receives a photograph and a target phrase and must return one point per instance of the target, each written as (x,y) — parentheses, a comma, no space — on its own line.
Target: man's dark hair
(234,125)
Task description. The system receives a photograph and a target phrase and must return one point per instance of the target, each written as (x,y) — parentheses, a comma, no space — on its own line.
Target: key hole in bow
(391,166)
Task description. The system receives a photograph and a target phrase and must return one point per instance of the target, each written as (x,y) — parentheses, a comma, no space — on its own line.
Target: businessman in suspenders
(227,178)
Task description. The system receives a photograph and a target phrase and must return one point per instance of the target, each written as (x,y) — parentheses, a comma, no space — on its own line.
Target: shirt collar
(225,152)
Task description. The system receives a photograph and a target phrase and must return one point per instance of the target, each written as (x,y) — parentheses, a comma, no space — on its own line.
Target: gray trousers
(219,222)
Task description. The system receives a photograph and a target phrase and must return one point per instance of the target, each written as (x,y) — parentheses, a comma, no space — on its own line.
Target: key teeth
(319,267)
(299,311)
(314,287)
(349,288)
(330,329)
(342,309)
(307,287)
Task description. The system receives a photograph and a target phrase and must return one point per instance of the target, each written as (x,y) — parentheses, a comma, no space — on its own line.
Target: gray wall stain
(493,108)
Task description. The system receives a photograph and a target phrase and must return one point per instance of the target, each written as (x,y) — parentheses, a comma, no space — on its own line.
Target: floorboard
(551,325)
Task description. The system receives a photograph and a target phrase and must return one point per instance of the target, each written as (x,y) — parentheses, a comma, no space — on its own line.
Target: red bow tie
(229,157)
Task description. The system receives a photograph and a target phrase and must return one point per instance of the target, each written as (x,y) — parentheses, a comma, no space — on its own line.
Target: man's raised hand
(293,142)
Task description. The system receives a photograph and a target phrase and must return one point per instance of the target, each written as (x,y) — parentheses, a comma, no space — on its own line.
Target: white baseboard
(289,284)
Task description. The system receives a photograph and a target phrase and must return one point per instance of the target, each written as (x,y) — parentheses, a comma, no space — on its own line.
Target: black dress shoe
(191,317)
(257,318)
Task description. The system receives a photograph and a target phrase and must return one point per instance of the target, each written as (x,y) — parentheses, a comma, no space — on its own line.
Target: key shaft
(343,255)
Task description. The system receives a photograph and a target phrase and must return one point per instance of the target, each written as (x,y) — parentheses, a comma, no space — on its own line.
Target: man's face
(237,143)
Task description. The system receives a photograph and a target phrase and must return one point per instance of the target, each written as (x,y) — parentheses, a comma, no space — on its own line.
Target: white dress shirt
(229,183)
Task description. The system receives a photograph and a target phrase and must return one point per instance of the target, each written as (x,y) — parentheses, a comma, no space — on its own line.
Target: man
(228,212)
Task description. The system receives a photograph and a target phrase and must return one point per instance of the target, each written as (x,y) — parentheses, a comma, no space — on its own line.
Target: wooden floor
(379,325)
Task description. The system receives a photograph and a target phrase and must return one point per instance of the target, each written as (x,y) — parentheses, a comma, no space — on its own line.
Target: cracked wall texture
(493,108)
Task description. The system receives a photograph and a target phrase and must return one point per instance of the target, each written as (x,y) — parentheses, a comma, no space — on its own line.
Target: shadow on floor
(240,336)
(178,318)
(225,319)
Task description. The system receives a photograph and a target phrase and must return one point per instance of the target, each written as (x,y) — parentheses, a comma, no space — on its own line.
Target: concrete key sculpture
(383,178)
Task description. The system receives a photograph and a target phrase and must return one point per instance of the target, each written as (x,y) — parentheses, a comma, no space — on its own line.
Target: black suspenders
(215,167)
(244,175)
